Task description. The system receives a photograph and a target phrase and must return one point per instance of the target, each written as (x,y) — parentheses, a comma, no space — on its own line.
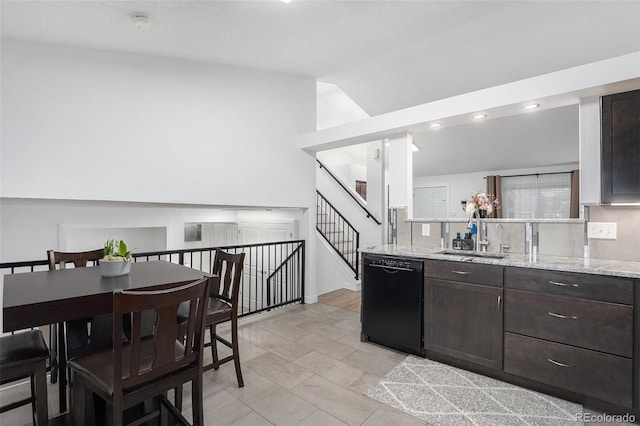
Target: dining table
(34,299)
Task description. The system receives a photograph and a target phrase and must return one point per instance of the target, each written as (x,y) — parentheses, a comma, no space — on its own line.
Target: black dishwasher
(392,302)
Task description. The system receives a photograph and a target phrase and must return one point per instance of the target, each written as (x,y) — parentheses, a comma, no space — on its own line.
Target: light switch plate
(602,230)
(426,229)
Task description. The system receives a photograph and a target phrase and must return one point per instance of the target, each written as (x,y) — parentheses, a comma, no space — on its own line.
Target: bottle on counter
(457,242)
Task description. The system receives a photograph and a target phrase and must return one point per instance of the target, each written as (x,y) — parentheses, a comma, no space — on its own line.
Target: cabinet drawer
(581,286)
(472,273)
(605,327)
(601,376)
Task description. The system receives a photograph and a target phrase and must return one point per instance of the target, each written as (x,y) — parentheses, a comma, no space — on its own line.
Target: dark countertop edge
(616,268)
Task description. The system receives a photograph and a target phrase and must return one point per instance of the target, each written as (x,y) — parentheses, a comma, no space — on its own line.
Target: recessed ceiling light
(530,107)
(140,20)
(479,116)
(435,125)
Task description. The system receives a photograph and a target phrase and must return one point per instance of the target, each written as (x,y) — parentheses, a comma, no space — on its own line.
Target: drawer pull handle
(560,364)
(553,314)
(562,284)
(461,272)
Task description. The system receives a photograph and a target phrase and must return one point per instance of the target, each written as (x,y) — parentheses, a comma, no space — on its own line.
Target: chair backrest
(229,268)
(148,358)
(79,259)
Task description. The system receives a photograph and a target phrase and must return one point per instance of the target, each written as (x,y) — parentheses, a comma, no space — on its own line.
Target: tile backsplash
(555,239)
(627,244)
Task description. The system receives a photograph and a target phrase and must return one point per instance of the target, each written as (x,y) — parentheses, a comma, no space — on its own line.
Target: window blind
(544,196)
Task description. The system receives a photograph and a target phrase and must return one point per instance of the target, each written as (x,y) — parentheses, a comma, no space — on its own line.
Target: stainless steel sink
(469,253)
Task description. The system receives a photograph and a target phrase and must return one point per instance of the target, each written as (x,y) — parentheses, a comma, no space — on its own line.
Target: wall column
(401,172)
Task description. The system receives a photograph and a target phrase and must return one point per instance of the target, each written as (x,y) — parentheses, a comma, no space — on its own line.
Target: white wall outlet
(602,230)
(426,230)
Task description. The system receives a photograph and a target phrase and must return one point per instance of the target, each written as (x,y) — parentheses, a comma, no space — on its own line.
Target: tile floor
(302,365)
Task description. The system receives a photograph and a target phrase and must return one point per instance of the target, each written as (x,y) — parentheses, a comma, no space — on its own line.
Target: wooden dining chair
(147,367)
(223,307)
(24,355)
(79,331)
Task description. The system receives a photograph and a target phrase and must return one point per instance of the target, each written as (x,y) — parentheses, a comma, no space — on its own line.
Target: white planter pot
(114,268)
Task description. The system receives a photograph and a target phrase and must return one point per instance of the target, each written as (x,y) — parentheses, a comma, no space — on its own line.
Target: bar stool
(25,355)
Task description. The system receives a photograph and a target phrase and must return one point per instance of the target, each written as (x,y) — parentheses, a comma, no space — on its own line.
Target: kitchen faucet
(503,246)
(481,242)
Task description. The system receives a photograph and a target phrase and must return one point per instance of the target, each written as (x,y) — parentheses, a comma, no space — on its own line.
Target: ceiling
(385,55)
(531,139)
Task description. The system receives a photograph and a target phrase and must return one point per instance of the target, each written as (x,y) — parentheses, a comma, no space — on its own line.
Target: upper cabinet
(621,148)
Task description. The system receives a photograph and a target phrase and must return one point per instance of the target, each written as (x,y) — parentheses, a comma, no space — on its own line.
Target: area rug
(442,395)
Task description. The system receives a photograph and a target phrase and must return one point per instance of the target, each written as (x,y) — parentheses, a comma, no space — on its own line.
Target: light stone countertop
(616,268)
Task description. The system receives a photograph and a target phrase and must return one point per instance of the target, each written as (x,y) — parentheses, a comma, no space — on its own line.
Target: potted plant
(116,260)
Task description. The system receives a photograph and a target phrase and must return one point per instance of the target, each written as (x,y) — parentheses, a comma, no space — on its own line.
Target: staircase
(338,232)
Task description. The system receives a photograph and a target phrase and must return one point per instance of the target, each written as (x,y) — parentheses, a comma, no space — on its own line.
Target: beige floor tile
(372,362)
(346,315)
(273,343)
(247,350)
(327,346)
(279,370)
(222,408)
(274,403)
(225,376)
(329,316)
(253,419)
(331,369)
(352,338)
(282,327)
(350,325)
(322,328)
(349,407)
(365,382)
(385,416)
(320,418)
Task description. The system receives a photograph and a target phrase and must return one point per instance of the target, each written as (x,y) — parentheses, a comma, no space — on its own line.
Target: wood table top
(45,297)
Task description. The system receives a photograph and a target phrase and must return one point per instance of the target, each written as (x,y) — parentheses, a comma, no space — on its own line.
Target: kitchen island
(559,325)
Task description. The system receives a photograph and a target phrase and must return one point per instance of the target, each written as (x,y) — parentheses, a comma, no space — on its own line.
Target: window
(543,196)
(361,189)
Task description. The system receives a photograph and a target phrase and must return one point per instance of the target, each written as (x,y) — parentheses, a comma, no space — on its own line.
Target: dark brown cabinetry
(621,148)
(573,331)
(463,311)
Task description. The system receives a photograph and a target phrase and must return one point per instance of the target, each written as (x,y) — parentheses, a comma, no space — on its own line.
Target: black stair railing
(338,232)
(349,192)
(272,277)
(279,290)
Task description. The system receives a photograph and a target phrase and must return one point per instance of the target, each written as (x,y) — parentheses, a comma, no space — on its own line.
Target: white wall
(334,107)
(83,127)
(463,185)
(31,227)
(94,125)
(333,273)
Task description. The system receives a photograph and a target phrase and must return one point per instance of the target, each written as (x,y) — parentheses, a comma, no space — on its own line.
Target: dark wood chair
(147,367)
(223,307)
(25,355)
(79,260)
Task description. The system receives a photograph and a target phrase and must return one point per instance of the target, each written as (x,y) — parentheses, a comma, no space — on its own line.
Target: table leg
(62,368)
